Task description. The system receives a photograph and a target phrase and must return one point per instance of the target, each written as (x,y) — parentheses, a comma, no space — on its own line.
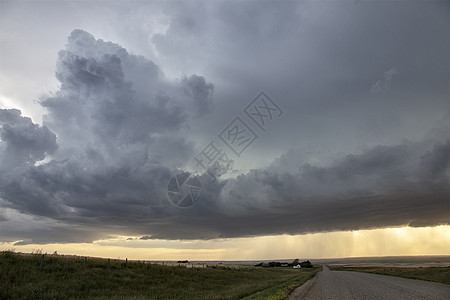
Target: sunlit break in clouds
(221,130)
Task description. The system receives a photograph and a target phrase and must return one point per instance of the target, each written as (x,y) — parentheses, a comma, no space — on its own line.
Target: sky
(225,129)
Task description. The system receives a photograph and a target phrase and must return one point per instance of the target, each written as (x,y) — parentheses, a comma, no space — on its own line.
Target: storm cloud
(364,141)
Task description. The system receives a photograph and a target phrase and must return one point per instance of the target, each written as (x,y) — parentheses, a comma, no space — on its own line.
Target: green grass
(283,290)
(22,277)
(435,274)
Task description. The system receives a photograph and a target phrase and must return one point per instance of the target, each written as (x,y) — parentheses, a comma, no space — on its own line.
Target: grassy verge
(435,274)
(58,277)
(283,290)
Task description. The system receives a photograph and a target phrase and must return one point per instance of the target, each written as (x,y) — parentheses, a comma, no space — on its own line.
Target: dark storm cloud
(24,142)
(383,186)
(119,140)
(324,61)
(435,162)
(200,91)
(56,234)
(345,79)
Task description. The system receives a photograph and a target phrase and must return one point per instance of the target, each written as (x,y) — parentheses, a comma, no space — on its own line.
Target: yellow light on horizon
(375,242)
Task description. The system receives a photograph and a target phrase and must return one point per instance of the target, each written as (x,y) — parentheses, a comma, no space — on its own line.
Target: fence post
(126,262)
(108,263)
(42,260)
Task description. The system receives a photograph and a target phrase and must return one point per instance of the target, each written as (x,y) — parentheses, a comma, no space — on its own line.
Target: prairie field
(38,276)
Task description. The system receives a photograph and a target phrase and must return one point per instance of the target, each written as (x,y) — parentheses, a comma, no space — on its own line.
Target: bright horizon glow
(402,241)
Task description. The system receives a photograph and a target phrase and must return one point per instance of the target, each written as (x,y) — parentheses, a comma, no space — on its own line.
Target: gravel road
(356,285)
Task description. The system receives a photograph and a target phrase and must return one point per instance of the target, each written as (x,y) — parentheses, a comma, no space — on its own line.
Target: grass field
(283,290)
(57,277)
(436,274)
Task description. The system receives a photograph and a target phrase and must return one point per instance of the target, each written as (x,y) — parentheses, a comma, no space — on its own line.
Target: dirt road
(356,285)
